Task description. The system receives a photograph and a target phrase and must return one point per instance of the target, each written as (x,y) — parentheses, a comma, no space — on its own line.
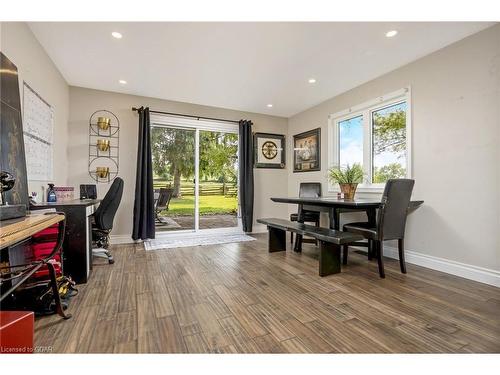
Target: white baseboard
(467,271)
(116,239)
(259,228)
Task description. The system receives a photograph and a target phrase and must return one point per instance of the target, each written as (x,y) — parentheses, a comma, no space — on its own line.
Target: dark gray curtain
(144,219)
(245,165)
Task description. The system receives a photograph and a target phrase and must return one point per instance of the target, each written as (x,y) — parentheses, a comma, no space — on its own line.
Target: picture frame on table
(307,151)
(269,150)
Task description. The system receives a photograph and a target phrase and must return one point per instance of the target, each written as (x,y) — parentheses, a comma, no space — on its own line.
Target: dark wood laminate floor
(237,298)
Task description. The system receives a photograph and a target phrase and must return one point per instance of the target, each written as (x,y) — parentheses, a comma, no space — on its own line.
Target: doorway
(195,175)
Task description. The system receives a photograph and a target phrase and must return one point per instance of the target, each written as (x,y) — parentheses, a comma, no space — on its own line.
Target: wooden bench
(330,241)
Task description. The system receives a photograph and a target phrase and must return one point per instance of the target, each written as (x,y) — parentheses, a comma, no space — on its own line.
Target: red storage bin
(43,244)
(43,249)
(48,234)
(43,272)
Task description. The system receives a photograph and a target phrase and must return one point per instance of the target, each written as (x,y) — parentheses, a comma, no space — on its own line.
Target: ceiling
(242,66)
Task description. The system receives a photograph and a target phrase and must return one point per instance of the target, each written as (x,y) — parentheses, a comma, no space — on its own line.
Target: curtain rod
(190,116)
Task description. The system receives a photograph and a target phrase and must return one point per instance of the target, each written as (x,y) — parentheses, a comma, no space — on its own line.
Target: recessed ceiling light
(270,105)
(391,33)
(312,80)
(122,81)
(116,35)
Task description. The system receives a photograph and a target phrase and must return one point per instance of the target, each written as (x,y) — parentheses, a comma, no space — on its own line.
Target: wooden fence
(204,189)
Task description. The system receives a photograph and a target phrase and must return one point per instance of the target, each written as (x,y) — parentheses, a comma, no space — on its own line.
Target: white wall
(37,69)
(83,102)
(456,137)
(456,147)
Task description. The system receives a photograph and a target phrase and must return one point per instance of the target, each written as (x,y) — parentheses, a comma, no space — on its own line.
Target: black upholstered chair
(308,190)
(391,222)
(103,220)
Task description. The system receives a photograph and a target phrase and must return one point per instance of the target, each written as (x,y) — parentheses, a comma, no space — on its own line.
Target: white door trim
(160,120)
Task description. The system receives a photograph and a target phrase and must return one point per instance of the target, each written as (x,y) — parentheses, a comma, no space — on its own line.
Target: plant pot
(103,122)
(349,190)
(103,144)
(102,172)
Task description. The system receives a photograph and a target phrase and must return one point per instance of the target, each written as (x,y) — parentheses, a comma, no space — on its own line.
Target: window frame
(366,111)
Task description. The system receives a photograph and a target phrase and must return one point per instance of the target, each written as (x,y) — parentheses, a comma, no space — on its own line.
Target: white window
(376,135)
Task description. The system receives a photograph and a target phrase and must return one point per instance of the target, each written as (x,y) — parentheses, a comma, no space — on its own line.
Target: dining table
(335,206)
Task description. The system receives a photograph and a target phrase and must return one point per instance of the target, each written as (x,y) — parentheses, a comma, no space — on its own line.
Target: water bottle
(51,194)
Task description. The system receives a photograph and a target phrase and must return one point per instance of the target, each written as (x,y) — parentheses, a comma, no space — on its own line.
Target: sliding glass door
(173,156)
(218,174)
(195,168)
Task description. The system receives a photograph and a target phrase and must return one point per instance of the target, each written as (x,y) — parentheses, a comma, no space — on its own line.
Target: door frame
(167,121)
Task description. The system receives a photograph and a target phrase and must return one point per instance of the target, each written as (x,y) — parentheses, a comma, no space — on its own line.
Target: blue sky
(351,141)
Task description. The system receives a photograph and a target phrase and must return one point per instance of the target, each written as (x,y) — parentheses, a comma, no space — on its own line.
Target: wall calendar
(38,123)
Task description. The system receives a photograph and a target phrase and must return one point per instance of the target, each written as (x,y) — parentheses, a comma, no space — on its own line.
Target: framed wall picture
(269,150)
(307,151)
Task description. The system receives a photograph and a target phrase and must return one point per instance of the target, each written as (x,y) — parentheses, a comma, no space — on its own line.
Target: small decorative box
(64,193)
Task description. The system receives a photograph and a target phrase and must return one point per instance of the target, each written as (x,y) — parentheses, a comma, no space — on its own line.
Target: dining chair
(390,224)
(308,190)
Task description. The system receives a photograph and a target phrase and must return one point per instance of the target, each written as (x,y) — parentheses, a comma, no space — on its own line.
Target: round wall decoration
(269,150)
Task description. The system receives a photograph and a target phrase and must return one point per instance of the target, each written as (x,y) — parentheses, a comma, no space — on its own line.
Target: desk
(77,244)
(334,206)
(15,231)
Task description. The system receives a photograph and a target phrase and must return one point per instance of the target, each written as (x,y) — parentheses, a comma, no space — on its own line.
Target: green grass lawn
(209,205)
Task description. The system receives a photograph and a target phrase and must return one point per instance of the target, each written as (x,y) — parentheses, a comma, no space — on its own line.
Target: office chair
(103,220)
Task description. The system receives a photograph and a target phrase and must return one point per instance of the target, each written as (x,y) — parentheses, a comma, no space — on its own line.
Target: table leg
(372,216)
(334,216)
(298,238)
(55,292)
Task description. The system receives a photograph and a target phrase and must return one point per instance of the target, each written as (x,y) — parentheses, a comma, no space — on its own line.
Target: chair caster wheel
(111,261)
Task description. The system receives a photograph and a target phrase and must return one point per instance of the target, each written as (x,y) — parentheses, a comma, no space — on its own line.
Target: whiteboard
(38,123)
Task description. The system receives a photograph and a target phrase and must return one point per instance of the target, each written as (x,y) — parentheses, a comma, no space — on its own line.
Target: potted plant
(348,178)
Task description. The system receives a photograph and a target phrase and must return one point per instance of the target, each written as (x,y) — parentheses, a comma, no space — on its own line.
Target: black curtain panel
(245,164)
(144,219)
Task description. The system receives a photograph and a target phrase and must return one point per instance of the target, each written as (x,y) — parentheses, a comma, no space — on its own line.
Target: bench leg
(329,258)
(277,240)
